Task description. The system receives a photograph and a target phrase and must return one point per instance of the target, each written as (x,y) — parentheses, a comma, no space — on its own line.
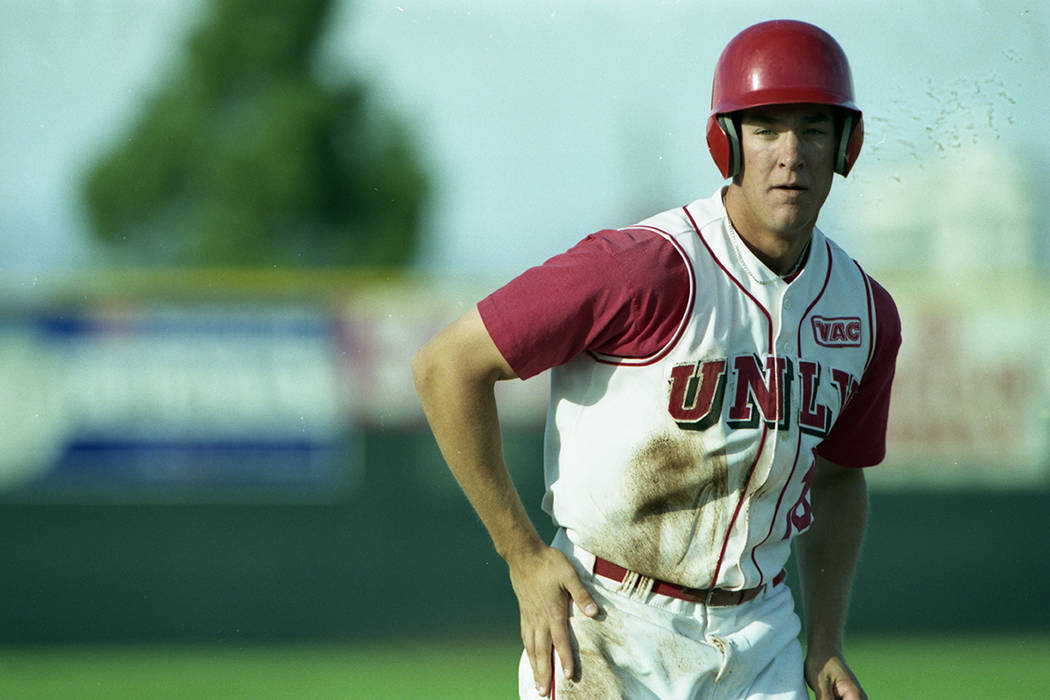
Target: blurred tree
(245,158)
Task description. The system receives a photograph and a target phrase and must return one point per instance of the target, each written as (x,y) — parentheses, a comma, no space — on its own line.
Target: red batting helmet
(781,62)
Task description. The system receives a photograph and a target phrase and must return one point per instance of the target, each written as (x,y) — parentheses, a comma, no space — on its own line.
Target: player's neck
(780,256)
(779,251)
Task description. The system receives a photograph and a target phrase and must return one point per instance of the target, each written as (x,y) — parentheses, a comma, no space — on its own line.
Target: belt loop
(644,587)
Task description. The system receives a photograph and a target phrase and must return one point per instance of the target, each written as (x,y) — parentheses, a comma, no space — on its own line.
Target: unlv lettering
(813,418)
(846,384)
(761,391)
(697,391)
(761,395)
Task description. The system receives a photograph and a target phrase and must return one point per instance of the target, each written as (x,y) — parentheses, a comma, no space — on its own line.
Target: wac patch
(837,332)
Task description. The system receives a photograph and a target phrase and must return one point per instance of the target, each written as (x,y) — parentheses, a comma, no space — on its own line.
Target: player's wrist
(522,544)
(819,650)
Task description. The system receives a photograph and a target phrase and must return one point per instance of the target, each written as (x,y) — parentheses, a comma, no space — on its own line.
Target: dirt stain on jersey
(680,504)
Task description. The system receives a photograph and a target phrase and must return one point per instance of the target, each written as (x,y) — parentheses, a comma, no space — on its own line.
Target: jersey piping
(872,326)
(682,323)
(721,265)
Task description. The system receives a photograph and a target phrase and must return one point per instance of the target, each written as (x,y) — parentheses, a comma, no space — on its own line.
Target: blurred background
(226,226)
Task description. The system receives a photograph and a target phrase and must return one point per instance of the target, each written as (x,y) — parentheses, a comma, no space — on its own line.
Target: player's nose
(790,150)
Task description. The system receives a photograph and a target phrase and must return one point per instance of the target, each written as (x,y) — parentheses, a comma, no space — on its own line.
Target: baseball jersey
(688,458)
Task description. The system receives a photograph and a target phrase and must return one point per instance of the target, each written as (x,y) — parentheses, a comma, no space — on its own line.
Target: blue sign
(179,403)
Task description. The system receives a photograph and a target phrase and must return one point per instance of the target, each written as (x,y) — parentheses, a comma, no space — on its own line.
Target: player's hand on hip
(831,679)
(545,582)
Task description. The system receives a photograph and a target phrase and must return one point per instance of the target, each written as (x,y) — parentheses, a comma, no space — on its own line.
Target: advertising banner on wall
(189,400)
(175,401)
(971,399)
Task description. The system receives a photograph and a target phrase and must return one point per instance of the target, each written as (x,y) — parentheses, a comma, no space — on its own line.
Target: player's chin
(789,220)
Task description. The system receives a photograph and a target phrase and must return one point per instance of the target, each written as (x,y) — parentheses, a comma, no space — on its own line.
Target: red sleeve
(858,438)
(621,293)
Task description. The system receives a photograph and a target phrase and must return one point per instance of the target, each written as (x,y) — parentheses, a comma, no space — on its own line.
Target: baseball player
(720,373)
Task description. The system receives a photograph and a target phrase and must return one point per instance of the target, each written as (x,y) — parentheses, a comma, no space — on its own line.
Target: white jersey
(693,465)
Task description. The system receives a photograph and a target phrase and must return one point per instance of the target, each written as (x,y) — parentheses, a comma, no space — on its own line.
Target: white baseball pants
(651,646)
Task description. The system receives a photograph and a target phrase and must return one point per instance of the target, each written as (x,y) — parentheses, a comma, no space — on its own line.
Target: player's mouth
(790,193)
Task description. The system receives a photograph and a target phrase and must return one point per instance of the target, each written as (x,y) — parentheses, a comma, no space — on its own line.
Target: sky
(543,120)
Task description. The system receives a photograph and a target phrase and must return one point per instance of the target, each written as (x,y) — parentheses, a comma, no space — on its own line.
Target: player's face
(789,153)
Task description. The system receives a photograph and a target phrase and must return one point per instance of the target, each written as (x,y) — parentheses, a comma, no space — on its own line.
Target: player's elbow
(462,356)
(425,368)
(434,368)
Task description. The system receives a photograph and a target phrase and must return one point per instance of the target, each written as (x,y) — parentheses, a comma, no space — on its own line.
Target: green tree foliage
(245,158)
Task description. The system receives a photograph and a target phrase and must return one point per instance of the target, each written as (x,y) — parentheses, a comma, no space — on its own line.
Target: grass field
(929,668)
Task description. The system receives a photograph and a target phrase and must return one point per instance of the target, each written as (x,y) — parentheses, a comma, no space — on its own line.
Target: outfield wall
(228,456)
(405,556)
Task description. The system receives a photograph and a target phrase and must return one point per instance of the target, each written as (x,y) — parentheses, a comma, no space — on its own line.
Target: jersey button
(787,303)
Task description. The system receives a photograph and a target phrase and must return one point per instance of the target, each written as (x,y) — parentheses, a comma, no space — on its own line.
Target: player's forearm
(458,399)
(827,554)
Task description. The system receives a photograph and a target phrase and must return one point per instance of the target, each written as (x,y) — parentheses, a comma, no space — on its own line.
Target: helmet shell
(781,62)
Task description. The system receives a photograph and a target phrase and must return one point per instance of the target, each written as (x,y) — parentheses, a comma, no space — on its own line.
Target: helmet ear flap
(724,144)
(723,140)
(736,155)
(850,141)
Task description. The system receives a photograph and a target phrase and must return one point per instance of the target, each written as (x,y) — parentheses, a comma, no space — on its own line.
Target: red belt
(717,597)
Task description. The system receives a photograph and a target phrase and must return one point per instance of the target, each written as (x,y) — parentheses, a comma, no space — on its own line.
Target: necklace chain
(740,258)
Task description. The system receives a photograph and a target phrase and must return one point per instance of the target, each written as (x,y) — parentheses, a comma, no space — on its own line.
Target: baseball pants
(646,645)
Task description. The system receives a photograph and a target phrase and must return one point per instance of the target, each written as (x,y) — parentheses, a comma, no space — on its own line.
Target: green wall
(404,555)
